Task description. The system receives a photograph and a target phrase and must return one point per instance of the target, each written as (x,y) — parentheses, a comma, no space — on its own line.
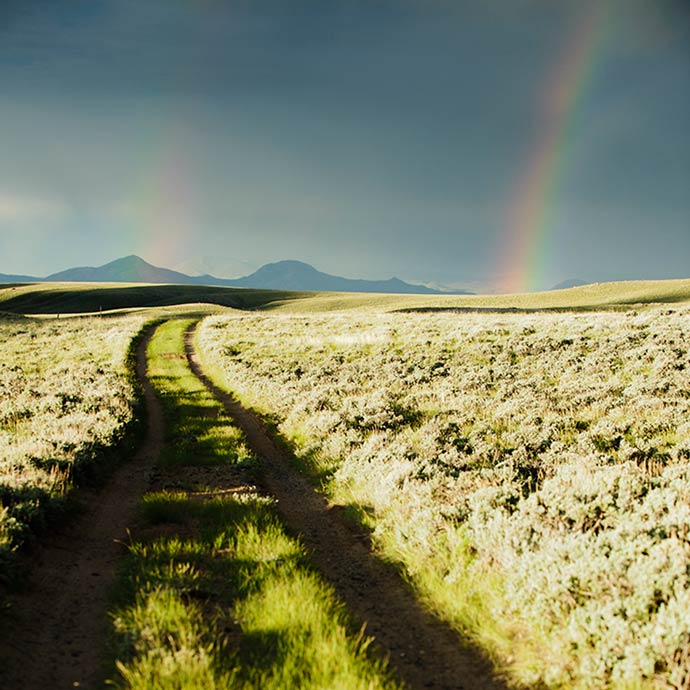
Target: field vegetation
(524,459)
(79,298)
(66,395)
(64,298)
(530,472)
(606,296)
(214,593)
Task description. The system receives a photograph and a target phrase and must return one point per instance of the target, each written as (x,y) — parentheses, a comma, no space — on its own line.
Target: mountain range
(283,275)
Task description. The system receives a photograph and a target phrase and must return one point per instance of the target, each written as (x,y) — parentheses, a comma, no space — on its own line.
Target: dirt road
(423,652)
(54,633)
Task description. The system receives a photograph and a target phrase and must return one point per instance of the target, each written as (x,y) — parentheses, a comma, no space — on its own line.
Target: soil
(55,632)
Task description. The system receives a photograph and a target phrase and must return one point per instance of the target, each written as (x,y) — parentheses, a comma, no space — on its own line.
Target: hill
(53,298)
(7,278)
(129,269)
(297,275)
(596,296)
(570,283)
(68,298)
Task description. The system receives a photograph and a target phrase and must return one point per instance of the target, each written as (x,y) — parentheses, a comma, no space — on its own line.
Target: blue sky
(370,138)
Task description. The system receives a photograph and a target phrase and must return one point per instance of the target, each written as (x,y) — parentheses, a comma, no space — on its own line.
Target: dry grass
(221,596)
(595,296)
(65,395)
(53,298)
(529,471)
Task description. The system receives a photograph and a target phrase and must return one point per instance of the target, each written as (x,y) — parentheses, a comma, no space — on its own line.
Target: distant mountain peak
(287,265)
(570,283)
(291,263)
(127,269)
(289,274)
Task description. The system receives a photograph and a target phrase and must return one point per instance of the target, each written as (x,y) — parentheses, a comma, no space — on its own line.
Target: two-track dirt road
(54,633)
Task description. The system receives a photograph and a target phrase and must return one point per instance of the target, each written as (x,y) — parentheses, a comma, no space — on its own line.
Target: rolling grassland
(214,593)
(530,472)
(524,459)
(66,395)
(617,295)
(80,298)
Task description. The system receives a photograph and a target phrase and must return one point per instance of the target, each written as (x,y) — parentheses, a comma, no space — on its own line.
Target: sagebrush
(529,470)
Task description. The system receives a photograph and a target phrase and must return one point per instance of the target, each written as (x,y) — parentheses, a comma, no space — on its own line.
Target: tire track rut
(423,652)
(55,632)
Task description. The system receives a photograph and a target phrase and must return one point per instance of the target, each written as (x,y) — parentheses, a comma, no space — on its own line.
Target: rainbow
(531,209)
(159,216)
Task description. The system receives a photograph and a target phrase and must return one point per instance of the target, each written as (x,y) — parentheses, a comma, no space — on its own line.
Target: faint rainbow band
(530,215)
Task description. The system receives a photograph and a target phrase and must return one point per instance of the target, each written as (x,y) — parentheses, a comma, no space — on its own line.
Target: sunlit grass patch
(168,646)
(233,598)
(215,593)
(199,431)
(528,471)
(176,507)
(307,649)
(67,397)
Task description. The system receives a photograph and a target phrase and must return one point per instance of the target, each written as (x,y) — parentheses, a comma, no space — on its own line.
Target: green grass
(217,595)
(66,298)
(197,427)
(72,298)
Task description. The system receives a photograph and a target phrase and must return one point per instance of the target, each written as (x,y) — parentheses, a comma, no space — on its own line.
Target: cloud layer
(370,139)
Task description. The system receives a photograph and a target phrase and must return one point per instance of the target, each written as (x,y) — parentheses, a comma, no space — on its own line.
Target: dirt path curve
(424,652)
(56,631)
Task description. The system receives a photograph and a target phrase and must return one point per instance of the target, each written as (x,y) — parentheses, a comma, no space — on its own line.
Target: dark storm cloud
(369,137)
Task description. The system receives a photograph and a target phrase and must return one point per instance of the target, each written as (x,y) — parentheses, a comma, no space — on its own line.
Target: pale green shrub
(530,468)
(65,393)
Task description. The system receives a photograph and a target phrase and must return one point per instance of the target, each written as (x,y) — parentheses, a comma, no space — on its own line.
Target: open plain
(511,475)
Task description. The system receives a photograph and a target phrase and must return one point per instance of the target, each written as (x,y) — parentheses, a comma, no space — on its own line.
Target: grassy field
(66,396)
(529,471)
(64,298)
(523,458)
(216,594)
(586,297)
(77,298)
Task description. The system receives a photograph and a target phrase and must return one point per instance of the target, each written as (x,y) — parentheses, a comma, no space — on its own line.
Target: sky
(497,145)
